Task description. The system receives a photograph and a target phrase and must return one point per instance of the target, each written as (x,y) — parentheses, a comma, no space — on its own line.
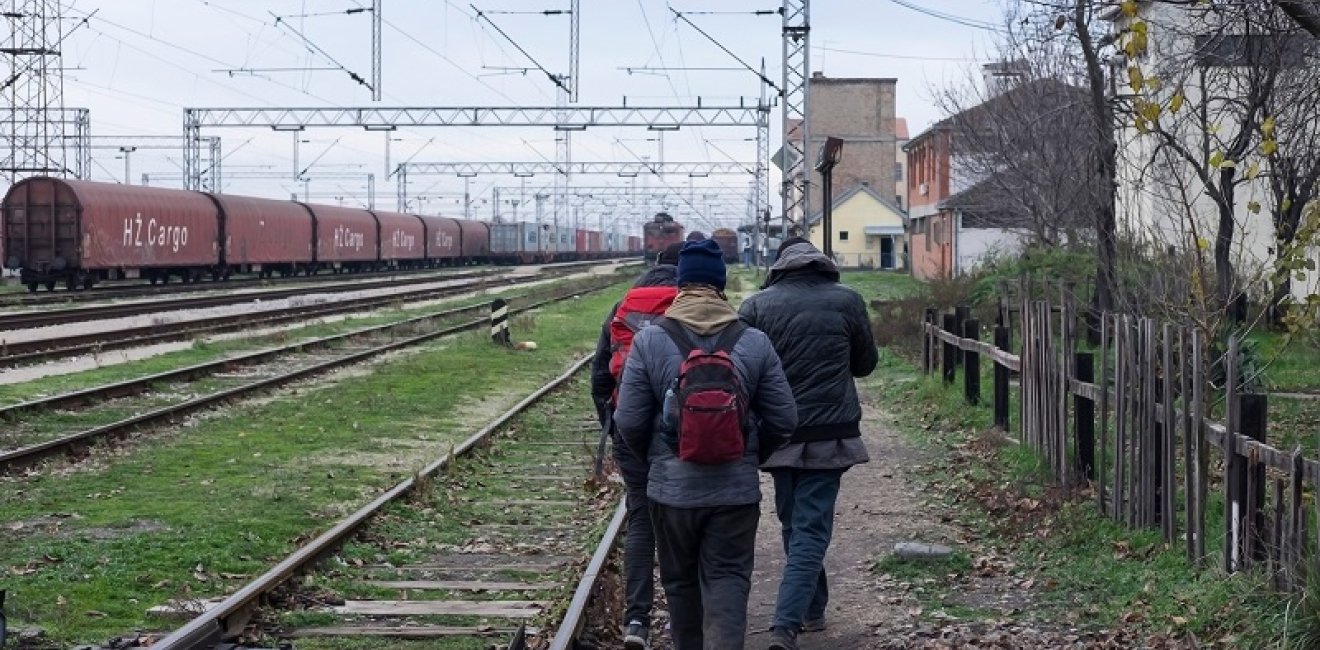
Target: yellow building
(868,230)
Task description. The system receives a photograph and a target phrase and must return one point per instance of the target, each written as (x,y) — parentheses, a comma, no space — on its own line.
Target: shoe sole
(634,643)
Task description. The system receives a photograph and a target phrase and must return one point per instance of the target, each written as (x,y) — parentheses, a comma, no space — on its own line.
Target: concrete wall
(861,111)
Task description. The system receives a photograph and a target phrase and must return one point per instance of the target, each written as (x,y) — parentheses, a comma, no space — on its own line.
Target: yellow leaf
(1149,110)
(1176,101)
(1253,171)
(1216,159)
(1141,125)
(1287,203)
(1268,147)
(1203,243)
(1267,128)
(1134,77)
(1253,207)
(1129,8)
(1153,83)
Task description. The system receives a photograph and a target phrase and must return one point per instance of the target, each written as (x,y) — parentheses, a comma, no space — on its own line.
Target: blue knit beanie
(701,262)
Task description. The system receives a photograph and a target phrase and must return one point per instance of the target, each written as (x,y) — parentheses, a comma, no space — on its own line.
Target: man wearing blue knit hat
(703,436)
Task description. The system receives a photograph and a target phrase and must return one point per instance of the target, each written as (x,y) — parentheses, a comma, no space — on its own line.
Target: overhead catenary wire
(554,78)
(312,46)
(960,20)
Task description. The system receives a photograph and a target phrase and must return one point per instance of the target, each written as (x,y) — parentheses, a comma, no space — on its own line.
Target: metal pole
(128,168)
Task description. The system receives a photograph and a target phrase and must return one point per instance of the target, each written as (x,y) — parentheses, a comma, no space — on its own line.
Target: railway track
(518,533)
(47,317)
(40,445)
(40,350)
(137,290)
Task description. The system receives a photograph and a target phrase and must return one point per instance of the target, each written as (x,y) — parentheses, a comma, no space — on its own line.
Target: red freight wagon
(264,235)
(80,231)
(580,243)
(595,242)
(476,240)
(402,239)
(444,240)
(345,237)
(634,243)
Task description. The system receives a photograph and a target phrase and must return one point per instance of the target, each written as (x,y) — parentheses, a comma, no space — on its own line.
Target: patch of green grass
(1291,361)
(1082,562)
(195,511)
(900,568)
(881,285)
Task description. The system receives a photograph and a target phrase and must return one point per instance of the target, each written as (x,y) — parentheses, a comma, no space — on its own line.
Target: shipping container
(634,244)
(402,239)
(263,235)
(581,245)
(727,238)
(476,241)
(77,232)
(522,242)
(444,240)
(345,237)
(596,243)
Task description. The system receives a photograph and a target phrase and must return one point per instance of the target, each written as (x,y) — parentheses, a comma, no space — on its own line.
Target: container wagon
(476,244)
(77,232)
(402,240)
(522,243)
(347,240)
(265,236)
(444,241)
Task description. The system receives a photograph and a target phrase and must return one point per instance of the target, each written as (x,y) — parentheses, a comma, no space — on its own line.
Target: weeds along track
(506,530)
(71,422)
(47,349)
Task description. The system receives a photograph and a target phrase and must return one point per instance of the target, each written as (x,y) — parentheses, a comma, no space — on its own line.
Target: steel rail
(566,636)
(24,456)
(47,317)
(210,627)
(45,349)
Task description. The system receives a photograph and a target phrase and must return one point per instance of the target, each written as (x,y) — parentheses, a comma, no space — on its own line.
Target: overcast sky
(137,63)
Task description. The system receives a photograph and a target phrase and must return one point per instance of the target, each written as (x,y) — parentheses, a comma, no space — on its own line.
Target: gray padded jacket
(654,362)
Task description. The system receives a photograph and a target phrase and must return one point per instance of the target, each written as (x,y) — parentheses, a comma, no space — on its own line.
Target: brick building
(861,111)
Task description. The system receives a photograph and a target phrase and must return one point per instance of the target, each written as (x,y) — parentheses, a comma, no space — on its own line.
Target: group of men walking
(698,397)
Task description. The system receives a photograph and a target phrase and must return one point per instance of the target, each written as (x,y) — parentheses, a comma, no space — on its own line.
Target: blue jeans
(804,502)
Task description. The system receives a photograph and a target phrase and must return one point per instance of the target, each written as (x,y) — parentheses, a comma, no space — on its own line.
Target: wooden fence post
(928,341)
(1254,408)
(1003,342)
(972,363)
(1084,418)
(949,353)
(961,313)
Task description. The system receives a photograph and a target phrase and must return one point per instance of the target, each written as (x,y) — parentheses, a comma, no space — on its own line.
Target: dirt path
(878,506)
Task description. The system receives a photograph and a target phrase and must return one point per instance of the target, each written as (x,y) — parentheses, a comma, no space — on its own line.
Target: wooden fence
(1132,420)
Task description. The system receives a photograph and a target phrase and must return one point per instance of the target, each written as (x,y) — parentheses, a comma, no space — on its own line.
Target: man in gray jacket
(821,330)
(705,516)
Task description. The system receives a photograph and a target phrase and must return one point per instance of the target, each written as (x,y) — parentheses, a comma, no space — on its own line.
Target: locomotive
(659,233)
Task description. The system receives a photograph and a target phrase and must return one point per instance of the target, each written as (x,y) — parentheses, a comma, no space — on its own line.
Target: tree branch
(1306,13)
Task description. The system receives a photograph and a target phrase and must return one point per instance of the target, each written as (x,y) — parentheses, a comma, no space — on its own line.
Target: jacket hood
(802,259)
(659,275)
(702,310)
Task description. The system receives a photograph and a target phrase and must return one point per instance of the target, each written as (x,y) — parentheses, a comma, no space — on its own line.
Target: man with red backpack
(703,399)
(643,304)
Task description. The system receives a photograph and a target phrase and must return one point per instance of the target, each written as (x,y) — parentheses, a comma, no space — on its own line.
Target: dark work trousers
(639,540)
(706,559)
(804,502)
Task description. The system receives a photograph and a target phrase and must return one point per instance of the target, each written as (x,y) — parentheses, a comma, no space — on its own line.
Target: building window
(843,235)
(898,171)
(898,200)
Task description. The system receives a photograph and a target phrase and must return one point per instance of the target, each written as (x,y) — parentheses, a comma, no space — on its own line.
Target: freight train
(727,238)
(76,233)
(659,233)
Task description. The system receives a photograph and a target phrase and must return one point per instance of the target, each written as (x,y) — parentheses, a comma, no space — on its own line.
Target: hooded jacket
(822,333)
(602,381)
(654,363)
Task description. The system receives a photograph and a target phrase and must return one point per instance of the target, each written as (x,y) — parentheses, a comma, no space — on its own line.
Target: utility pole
(128,169)
(34,92)
(796,41)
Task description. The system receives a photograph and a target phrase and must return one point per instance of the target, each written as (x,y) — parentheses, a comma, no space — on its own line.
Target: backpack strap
(724,342)
(679,335)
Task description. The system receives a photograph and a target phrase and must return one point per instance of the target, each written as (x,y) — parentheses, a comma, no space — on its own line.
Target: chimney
(818,75)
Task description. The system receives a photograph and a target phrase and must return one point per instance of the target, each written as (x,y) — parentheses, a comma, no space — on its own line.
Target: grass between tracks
(196,511)
(204,350)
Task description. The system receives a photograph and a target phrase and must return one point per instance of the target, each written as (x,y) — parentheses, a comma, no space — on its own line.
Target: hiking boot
(634,638)
(782,639)
(814,625)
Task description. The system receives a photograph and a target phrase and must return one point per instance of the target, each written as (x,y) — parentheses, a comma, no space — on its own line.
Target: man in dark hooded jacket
(705,515)
(822,333)
(639,543)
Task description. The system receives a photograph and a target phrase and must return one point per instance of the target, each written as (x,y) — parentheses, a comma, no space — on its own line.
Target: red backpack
(706,405)
(640,307)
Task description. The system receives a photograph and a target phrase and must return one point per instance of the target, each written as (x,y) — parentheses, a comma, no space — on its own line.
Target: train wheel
(32,287)
(87,283)
(50,285)
(71,283)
